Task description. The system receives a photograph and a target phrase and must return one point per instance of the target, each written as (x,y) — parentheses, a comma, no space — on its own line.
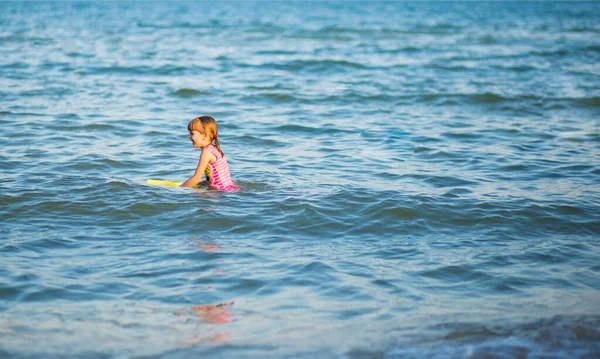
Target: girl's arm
(205,158)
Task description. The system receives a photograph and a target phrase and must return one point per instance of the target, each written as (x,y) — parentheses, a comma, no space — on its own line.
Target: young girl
(203,134)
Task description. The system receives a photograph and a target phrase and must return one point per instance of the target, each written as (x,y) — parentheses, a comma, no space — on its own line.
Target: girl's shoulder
(210,148)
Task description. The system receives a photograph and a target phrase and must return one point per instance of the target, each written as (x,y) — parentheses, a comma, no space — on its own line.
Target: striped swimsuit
(217,172)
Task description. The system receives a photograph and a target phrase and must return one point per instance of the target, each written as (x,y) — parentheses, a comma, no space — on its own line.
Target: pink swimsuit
(217,172)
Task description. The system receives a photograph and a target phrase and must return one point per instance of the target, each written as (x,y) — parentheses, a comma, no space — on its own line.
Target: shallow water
(419,180)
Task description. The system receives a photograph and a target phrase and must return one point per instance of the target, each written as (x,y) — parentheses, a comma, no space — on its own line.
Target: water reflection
(207,245)
(210,317)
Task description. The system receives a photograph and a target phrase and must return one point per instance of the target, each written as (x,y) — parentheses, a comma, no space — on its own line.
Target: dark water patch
(67,116)
(90,163)
(422,149)
(245,287)
(587,102)
(462,136)
(578,29)
(487,98)
(76,54)
(52,64)
(444,66)
(261,141)
(560,336)
(208,25)
(426,139)
(272,87)
(458,192)
(452,99)
(296,129)
(515,168)
(354,97)
(50,91)
(576,169)
(401,50)
(273,51)
(53,293)
(439,28)
(592,48)
(187,93)
(15,66)
(74,126)
(316,66)
(442,155)
(447,181)
(271,97)
(522,68)
(24,114)
(317,271)
(574,139)
(554,106)
(134,70)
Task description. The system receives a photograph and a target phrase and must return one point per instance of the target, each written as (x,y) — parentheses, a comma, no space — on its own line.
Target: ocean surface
(418,180)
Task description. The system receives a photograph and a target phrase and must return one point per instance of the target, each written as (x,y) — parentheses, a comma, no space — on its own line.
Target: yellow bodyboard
(164,183)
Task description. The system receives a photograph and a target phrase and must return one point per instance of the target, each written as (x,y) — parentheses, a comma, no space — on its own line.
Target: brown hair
(207,125)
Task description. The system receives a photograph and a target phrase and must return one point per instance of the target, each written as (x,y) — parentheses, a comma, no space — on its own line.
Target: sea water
(418,180)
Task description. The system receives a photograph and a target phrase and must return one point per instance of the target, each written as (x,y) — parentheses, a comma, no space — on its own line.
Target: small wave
(187,92)
(70,126)
(557,103)
(273,97)
(456,273)
(558,337)
(475,98)
(401,50)
(584,29)
(275,52)
(314,65)
(462,135)
(260,141)
(274,87)
(448,181)
(522,68)
(208,25)
(488,98)
(136,70)
(421,149)
(48,91)
(592,48)
(22,114)
(296,128)
(74,54)
(341,33)
(448,66)
(353,97)
(441,28)
(551,53)
(16,66)
(588,102)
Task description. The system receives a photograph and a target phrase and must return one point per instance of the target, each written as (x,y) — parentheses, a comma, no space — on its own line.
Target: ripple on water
(187,93)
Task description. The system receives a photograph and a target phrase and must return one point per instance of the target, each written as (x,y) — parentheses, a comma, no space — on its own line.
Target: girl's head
(207,129)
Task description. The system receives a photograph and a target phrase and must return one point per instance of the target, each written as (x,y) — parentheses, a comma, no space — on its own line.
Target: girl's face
(199,140)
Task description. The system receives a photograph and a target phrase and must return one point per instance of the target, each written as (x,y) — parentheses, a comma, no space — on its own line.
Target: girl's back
(217,172)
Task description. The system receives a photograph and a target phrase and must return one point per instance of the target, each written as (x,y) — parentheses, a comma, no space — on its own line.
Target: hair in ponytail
(208,126)
(218,145)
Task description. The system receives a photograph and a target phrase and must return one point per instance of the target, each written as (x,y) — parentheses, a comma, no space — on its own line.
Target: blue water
(419,180)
